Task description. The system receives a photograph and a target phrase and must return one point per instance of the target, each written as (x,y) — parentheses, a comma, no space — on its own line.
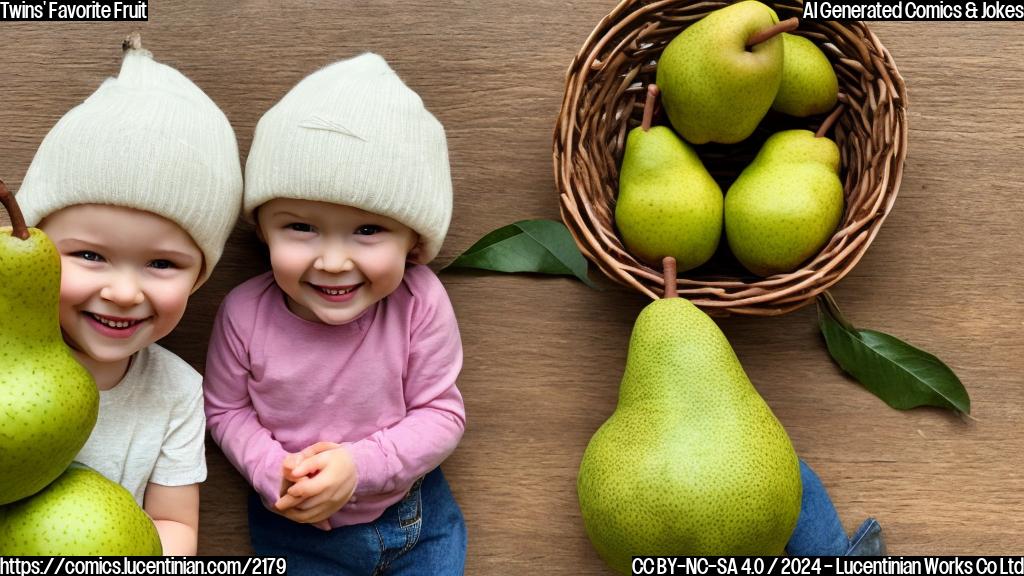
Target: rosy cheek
(169,305)
(68,317)
(75,285)
(175,306)
(286,257)
(175,296)
(388,274)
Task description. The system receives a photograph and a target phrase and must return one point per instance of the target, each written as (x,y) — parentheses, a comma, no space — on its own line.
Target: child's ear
(415,252)
(259,227)
(201,279)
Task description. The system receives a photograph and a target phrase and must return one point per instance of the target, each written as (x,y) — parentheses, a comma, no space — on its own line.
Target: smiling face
(126,276)
(333,261)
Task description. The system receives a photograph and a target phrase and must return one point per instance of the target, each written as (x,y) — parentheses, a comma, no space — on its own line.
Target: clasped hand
(316,483)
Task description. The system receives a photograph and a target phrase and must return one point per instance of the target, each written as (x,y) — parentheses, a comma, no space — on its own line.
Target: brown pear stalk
(652,97)
(787,25)
(18,227)
(668,271)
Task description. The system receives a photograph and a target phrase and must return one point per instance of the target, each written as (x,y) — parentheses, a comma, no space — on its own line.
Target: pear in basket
(720,75)
(786,204)
(809,85)
(668,204)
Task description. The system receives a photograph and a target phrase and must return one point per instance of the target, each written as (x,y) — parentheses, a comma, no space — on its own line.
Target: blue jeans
(424,533)
(818,529)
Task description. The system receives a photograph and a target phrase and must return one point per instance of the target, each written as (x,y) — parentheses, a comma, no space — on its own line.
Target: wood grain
(544,355)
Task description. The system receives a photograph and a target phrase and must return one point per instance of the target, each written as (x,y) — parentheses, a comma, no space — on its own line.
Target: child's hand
(325,479)
(287,475)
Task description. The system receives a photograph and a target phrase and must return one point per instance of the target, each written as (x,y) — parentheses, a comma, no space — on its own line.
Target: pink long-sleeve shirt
(382,384)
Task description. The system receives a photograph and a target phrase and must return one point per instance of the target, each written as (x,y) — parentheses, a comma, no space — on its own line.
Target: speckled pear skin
(786,204)
(809,85)
(48,401)
(668,204)
(712,87)
(80,514)
(692,461)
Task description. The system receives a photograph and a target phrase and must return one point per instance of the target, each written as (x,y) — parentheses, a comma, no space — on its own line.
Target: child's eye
(88,255)
(368,230)
(300,227)
(163,264)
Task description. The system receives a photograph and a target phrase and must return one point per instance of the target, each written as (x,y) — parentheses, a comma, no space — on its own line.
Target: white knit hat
(354,134)
(149,139)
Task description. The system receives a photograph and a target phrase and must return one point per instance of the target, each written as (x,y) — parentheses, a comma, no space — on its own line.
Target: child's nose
(334,258)
(123,289)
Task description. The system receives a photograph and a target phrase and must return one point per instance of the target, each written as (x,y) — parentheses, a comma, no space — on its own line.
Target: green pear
(48,401)
(668,204)
(715,88)
(692,461)
(786,204)
(809,85)
(81,513)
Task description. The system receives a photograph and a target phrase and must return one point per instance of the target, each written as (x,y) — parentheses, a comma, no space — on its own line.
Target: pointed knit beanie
(148,139)
(354,134)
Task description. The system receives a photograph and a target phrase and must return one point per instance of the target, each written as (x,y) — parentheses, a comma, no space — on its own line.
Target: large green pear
(48,401)
(786,204)
(714,88)
(692,461)
(668,204)
(809,84)
(81,513)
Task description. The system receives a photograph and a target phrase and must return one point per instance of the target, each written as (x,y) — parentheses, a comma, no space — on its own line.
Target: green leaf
(541,246)
(901,375)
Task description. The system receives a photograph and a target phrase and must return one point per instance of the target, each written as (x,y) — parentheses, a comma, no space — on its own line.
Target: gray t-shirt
(151,425)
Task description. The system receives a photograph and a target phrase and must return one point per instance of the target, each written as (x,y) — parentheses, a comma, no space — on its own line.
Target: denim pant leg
(348,551)
(441,546)
(819,532)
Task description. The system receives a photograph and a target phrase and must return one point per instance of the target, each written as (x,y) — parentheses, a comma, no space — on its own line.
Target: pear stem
(827,124)
(668,270)
(18,227)
(652,97)
(132,42)
(787,25)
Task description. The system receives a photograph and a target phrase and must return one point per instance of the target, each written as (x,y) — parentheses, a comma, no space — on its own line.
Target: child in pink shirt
(330,380)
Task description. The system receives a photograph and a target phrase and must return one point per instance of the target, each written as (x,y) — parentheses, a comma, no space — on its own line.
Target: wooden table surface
(543,356)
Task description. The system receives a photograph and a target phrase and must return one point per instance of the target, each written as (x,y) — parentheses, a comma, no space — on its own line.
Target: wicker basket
(604,97)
